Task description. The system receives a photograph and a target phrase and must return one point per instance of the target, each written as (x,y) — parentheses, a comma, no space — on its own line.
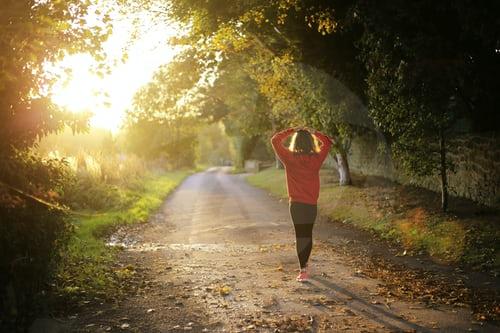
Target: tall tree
(276,36)
(431,63)
(35,33)
(162,122)
(426,63)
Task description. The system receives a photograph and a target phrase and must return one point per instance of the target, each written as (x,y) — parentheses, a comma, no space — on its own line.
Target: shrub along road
(219,256)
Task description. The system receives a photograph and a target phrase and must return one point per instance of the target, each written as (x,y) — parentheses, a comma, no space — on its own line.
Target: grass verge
(237,170)
(405,215)
(87,271)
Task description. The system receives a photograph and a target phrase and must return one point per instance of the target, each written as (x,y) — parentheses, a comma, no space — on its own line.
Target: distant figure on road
(302,161)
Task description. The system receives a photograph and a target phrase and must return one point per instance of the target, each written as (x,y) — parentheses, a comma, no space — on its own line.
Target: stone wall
(477,160)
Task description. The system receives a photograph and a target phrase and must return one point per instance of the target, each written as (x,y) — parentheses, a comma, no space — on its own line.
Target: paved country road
(220,256)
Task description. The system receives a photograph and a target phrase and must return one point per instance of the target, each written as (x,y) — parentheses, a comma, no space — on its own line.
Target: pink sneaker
(303,276)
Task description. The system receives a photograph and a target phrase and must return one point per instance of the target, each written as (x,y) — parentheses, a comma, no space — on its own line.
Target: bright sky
(109,97)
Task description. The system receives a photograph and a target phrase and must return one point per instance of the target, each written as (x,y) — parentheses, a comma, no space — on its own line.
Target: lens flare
(80,88)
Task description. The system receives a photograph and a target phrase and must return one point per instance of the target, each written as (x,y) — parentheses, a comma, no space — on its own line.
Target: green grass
(237,170)
(87,265)
(270,179)
(199,167)
(393,214)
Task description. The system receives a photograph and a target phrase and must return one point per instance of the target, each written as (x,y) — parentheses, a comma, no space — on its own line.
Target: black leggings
(303,217)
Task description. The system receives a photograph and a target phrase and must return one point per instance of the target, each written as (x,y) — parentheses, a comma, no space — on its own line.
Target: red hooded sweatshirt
(302,170)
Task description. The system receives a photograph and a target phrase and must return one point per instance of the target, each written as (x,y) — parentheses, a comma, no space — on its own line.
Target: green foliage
(302,94)
(482,246)
(248,115)
(213,146)
(162,124)
(100,186)
(247,109)
(422,67)
(95,169)
(68,143)
(411,99)
(424,71)
(87,270)
(28,171)
(90,193)
(279,48)
(161,99)
(173,143)
(33,34)
(31,233)
(31,240)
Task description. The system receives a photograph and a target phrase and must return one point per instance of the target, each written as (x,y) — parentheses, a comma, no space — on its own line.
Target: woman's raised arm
(277,143)
(326,143)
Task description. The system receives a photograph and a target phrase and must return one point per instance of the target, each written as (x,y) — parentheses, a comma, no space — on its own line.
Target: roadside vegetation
(411,217)
(87,271)
(95,185)
(107,186)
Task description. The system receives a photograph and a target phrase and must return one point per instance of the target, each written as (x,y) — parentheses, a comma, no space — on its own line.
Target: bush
(32,234)
(97,182)
(88,193)
(31,238)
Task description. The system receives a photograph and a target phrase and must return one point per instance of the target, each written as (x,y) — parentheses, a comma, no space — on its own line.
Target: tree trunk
(343,169)
(443,169)
(239,159)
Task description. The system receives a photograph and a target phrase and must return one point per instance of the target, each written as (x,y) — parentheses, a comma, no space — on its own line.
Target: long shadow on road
(360,306)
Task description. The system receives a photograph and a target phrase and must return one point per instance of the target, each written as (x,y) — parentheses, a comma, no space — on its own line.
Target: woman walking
(302,161)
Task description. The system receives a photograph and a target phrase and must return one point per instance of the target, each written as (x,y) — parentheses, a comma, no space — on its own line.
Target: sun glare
(108,97)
